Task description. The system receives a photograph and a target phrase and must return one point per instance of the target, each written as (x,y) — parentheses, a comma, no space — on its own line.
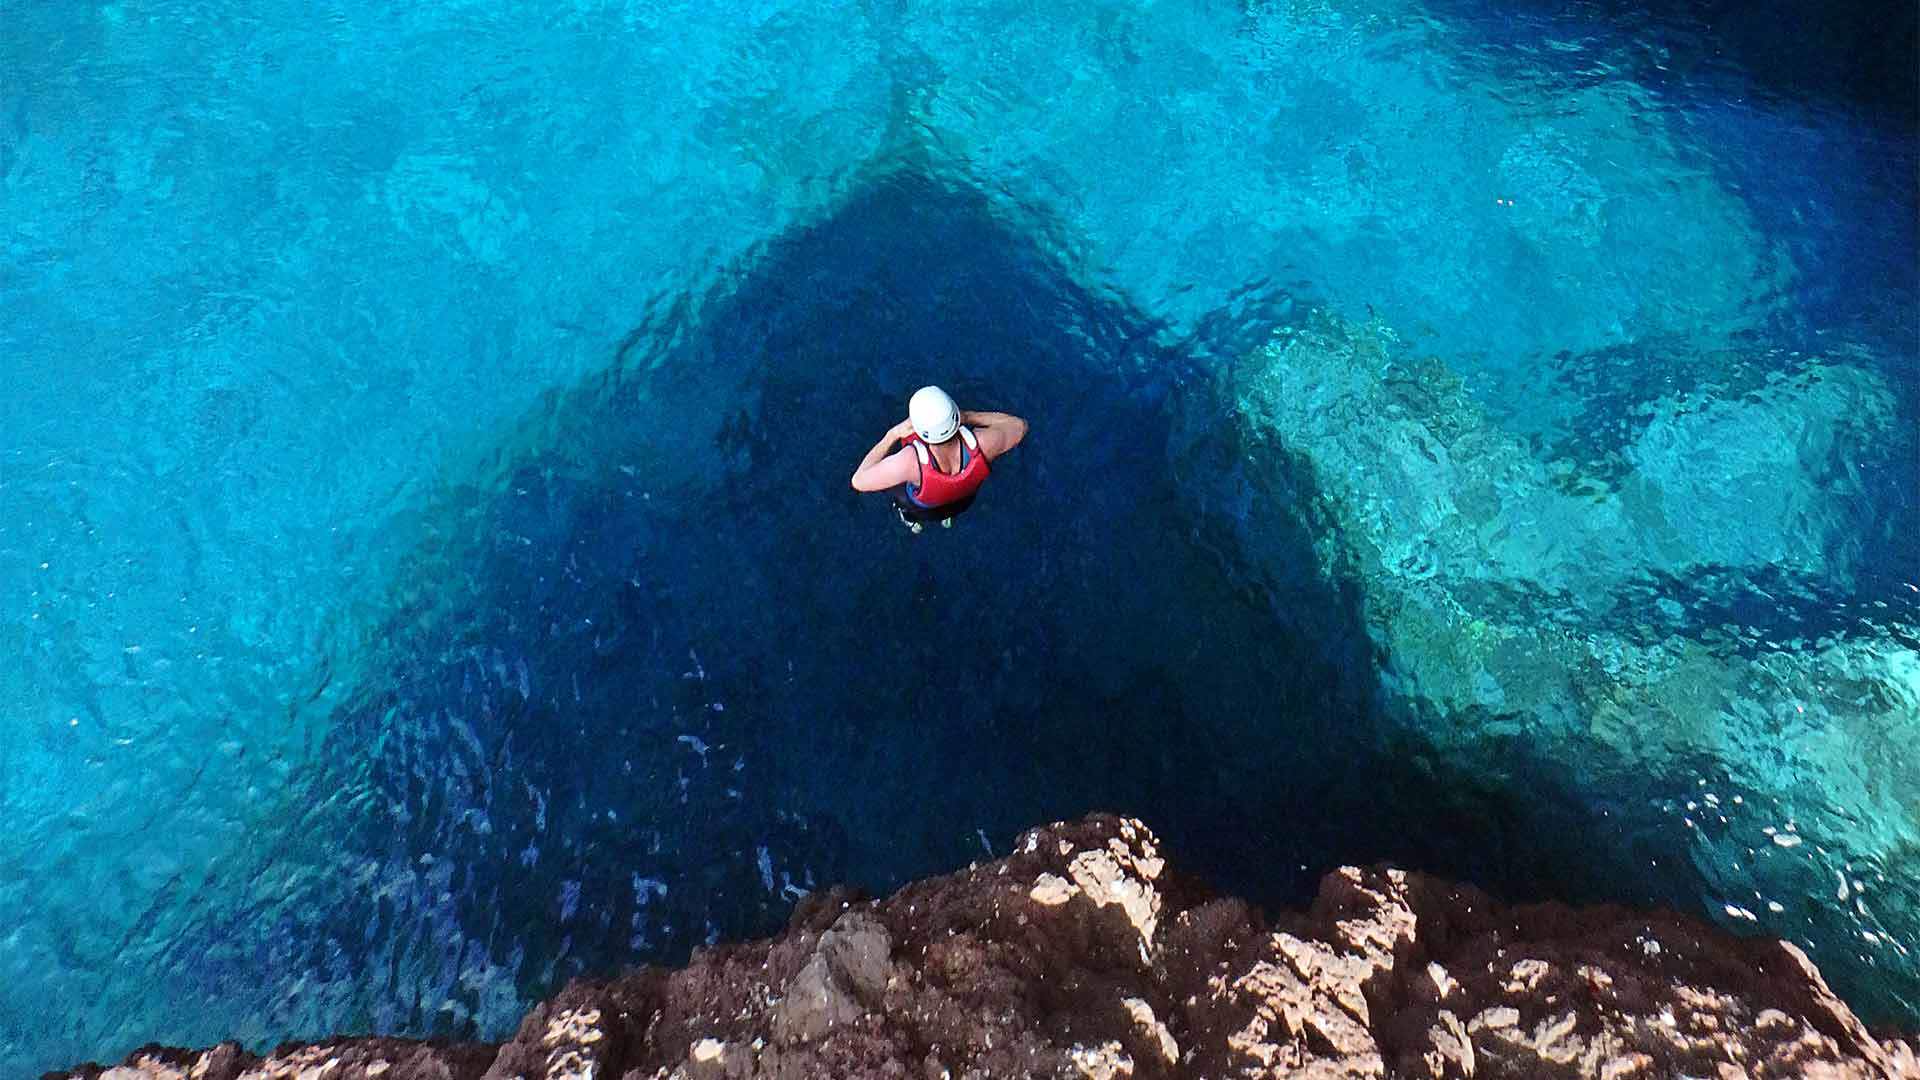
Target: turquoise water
(1483,439)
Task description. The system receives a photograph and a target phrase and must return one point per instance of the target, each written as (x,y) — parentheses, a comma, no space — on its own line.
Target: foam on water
(418,589)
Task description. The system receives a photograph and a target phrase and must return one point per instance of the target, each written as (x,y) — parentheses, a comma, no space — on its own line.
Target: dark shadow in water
(1858,53)
(1806,112)
(673,670)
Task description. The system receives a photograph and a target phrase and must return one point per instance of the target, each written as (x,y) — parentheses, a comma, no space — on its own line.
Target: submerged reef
(1683,633)
(401,469)
(1340,611)
(1085,954)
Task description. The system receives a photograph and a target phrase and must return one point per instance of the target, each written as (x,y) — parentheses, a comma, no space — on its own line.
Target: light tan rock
(1053,890)
(1451,1053)
(1107,879)
(1150,1025)
(1104,1062)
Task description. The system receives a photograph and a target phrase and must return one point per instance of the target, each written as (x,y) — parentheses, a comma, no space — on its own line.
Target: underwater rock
(1681,635)
(1006,970)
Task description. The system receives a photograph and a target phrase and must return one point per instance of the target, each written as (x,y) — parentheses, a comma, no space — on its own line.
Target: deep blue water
(1477,437)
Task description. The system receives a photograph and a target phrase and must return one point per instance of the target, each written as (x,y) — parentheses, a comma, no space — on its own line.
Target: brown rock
(1083,954)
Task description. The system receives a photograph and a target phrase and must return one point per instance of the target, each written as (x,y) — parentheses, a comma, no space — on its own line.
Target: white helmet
(935,417)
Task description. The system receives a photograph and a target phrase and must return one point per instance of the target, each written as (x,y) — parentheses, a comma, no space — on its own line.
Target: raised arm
(879,471)
(998,432)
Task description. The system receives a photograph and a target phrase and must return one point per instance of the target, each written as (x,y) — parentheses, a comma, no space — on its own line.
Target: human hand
(901,430)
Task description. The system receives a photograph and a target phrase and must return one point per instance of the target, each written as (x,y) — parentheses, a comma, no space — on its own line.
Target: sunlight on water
(1502,423)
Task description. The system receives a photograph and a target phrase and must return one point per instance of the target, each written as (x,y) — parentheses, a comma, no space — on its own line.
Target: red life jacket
(939,489)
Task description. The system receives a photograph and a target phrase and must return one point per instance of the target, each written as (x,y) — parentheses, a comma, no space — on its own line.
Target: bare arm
(998,432)
(878,471)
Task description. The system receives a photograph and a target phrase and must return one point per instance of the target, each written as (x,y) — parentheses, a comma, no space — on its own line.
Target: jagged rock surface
(1083,955)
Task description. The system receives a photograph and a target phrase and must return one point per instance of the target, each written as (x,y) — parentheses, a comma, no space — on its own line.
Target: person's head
(934,415)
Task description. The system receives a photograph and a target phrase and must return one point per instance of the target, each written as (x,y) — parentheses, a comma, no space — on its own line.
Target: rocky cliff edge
(1084,955)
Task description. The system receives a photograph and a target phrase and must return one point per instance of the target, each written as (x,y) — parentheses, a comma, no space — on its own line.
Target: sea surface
(1481,436)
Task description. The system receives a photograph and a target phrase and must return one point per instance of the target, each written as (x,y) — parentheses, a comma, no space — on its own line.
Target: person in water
(937,473)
